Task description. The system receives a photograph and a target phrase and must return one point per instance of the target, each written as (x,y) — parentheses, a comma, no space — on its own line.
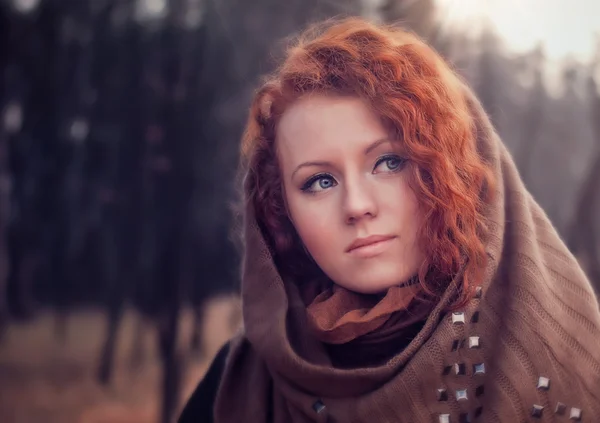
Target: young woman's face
(347,193)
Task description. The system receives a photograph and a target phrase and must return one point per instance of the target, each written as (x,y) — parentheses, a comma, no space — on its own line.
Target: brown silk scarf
(338,316)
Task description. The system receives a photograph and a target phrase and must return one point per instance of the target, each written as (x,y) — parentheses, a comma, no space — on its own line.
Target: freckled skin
(356,193)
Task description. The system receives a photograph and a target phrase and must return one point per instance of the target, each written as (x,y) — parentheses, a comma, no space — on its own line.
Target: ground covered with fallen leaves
(45,380)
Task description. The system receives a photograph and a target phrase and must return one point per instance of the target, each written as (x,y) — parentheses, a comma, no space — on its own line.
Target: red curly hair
(420,99)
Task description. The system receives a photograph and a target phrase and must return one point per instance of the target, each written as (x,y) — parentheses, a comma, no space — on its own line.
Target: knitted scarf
(525,348)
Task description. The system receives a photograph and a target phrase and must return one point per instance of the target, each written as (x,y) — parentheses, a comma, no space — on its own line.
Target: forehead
(319,123)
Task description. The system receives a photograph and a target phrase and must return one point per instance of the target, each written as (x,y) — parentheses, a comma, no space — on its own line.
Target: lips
(368,241)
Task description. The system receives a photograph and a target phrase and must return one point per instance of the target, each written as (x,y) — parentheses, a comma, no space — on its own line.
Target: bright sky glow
(567,28)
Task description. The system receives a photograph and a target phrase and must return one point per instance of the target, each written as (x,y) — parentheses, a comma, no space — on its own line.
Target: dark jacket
(199,408)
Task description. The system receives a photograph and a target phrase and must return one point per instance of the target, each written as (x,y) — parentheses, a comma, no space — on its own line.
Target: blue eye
(393,163)
(319,183)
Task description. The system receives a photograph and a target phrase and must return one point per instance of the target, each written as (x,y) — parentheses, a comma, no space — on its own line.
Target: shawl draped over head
(525,348)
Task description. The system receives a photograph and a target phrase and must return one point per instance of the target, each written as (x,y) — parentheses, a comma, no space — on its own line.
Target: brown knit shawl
(528,346)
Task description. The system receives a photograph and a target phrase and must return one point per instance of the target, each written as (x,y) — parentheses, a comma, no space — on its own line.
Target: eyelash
(387,157)
(306,187)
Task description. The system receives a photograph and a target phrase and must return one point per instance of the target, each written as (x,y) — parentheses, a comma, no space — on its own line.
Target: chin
(375,281)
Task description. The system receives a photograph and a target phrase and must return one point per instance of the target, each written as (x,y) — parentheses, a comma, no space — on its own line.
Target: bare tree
(583,238)
(417,15)
(487,78)
(5,206)
(422,17)
(532,119)
(113,198)
(9,122)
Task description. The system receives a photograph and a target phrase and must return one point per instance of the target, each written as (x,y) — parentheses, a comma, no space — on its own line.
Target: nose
(359,202)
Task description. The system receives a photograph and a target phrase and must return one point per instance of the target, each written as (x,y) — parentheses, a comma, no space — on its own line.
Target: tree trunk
(583,240)
(196,345)
(138,346)
(5,182)
(107,356)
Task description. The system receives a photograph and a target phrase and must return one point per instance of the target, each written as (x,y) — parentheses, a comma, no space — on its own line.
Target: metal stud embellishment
(474,342)
(543,383)
(319,407)
(478,369)
(537,411)
(457,344)
(461,395)
(475,317)
(575,414)
(460,369)
(560,409)
(442,394)
(478,292)
(447,370)
(464,418)
(444,418)
(458,318)
(479,391)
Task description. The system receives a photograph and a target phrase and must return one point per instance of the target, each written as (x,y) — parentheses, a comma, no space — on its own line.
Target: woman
(395,267)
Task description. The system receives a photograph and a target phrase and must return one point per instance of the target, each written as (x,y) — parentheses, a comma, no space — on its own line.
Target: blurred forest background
(119,129)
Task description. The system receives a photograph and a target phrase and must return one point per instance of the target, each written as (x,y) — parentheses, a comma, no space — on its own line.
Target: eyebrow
(310,164)
(368,150)
(376,144)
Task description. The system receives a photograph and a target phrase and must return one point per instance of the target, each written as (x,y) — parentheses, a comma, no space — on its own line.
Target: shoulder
(199,408)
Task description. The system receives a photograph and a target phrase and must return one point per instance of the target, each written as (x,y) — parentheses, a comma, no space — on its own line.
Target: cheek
(403,204)
(412,221)
(410,210)
(315,223)
(319,242)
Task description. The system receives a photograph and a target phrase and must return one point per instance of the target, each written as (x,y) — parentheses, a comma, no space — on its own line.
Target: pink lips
(369,246)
